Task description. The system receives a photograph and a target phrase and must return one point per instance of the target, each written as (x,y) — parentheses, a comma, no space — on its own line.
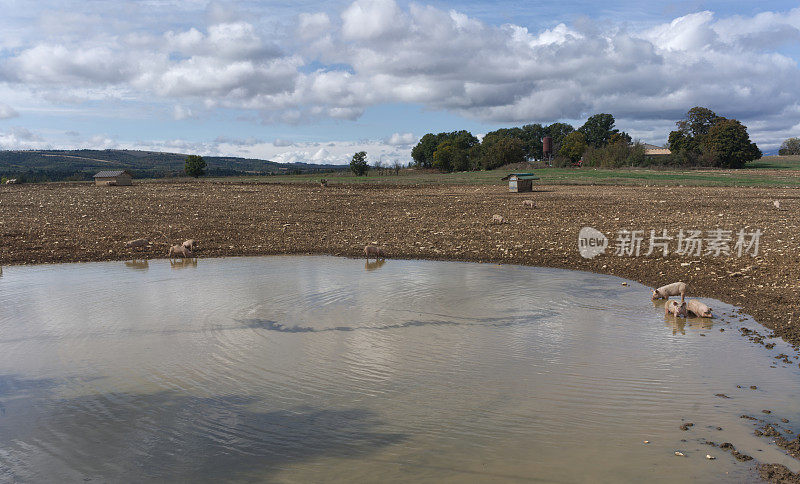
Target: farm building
(653,150)
(113,178)
(520,182)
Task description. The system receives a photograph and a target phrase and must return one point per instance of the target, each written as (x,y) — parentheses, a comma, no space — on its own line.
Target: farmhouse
(653,150)
(113,178)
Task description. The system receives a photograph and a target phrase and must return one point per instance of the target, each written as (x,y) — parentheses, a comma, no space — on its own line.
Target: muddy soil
(80,222)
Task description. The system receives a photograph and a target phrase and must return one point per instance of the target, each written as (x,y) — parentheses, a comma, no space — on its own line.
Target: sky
(317,81)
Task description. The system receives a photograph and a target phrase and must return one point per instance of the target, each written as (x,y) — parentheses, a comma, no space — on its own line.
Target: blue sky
(316,81)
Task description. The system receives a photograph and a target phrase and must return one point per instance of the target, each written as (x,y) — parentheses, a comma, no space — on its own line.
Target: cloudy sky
(316,81)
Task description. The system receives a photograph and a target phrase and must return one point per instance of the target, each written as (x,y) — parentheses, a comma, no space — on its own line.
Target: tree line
(702,138)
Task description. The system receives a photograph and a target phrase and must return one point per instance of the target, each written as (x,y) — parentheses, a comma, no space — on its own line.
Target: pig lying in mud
(698,309)
(675,308)
(373,251)
(137,243)
(674,289)
(189,244)
(179,251)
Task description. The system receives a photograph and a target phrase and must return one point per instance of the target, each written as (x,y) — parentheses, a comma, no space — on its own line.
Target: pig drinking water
(373,251)
(698,309)
(675,308)
(190,244)
(179,251)
(674,289)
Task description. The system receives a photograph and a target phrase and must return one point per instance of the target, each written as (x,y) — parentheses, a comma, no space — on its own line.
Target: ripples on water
(308,369)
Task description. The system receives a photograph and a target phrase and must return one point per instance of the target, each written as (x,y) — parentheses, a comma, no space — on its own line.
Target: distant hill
(56,165)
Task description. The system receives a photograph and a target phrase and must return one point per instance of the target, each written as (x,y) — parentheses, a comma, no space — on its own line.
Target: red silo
(547,145)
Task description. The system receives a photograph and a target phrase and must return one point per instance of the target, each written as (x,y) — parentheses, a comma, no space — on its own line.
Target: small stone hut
(113,178)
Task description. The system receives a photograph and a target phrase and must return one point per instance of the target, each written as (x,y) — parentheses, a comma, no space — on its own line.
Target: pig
(179,251)
(373,251)
(698,309)
(498,219)
(189,244)
(777,204)
(137,243)
(528,203)
(674,289)
(675,308)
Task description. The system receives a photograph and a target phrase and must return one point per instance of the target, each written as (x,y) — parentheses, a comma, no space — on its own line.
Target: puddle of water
(308,369)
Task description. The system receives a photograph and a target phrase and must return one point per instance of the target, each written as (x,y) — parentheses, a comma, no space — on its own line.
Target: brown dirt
(778,474)
(80,222)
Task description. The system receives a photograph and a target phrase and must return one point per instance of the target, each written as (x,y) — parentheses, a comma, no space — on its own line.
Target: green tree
(358,164)
(573,146)
(498,151)
(729,145)
(460,141)
(599,129)
(698,121)
(422,153)
(790,147)
(445,155)
(195,166)
(558,131)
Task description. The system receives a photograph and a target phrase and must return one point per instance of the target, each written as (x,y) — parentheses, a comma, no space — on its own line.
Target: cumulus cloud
(7,112)
(377,52)
(19,138)
(182,112)
(401,139)
(280,142)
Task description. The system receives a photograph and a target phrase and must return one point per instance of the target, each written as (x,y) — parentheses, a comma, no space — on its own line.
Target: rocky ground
(79,222)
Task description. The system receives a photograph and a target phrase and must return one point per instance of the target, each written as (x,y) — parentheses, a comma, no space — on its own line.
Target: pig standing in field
(179,251)
(674,289)
(528,203)
(137,243)
(373,251)
(189,244)
(698,309)
(675,308)
(498,219)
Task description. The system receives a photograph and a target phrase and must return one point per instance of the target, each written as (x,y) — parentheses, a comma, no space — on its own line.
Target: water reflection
(371,266)
(137,264)
(311,369)
(679,325)
(175,437)
(183,263)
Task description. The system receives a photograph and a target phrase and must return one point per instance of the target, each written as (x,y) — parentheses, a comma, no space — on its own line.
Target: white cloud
(377,52)
(401,139)
(7,112)
(181,112)
(19,138)
(313,25)
(280,142)
(371,19)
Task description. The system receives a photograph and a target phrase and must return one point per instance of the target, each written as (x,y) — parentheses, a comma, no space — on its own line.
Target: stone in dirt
(687,425)
(721,395)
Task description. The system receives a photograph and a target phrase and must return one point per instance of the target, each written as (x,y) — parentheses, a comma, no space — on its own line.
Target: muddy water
(320,369)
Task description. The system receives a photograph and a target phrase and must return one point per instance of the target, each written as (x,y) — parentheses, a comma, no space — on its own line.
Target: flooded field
(323,369)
